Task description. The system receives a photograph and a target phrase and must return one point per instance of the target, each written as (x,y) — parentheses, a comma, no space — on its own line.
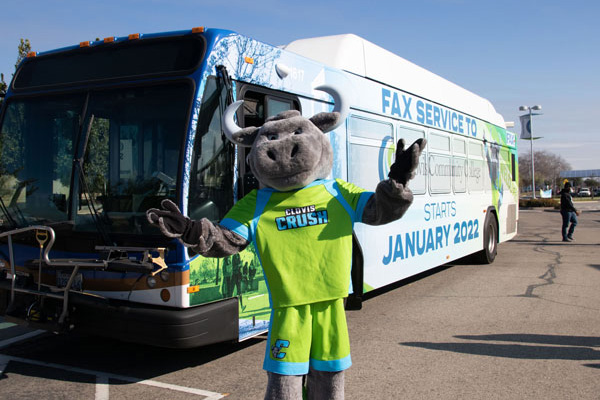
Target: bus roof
(356,55)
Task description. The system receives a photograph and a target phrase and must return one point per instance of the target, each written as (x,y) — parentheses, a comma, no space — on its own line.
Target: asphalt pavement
(525,327)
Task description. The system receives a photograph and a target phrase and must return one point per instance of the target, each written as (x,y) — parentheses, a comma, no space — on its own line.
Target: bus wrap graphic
(386,155)
(171,146)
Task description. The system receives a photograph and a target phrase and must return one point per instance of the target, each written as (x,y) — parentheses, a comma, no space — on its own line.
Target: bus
(93,135)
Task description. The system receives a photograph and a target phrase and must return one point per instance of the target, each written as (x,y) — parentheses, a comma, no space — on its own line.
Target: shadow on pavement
(578,348)
(557,242)
(111,356)
(584,341)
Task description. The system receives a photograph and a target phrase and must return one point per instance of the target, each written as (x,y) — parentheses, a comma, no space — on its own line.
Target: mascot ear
(245,137)
(341,108)
(325,121)
(242,137)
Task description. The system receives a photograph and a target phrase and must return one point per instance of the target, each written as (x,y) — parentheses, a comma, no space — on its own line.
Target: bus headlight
(164,275)
(151,282)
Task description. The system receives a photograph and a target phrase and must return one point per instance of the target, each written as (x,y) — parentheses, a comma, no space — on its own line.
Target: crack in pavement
(550,274)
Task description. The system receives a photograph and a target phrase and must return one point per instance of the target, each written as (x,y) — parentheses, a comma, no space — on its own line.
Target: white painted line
(101,388)
(255,297)
(106,376)
(8,342)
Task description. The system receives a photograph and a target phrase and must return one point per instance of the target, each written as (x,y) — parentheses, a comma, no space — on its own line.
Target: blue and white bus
(93,135)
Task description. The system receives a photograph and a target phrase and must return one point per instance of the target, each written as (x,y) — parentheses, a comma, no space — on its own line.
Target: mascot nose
(273,154)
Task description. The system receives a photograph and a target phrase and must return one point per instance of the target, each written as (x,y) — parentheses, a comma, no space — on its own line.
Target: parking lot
(525,327)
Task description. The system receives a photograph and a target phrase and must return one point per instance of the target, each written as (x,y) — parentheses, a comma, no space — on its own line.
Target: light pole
(532,108)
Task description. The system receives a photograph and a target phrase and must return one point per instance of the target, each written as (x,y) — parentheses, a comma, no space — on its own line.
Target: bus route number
(467,230)
(297,74)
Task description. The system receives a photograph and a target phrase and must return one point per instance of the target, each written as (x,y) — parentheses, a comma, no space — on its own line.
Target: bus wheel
(490,241)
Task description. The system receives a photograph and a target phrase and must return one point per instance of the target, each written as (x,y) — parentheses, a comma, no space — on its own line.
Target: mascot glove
(404,167)
(173,224)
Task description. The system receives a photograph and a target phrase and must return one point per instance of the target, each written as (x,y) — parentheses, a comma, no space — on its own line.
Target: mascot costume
(301,224)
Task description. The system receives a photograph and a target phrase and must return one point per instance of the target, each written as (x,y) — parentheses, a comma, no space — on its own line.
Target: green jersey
(303,238)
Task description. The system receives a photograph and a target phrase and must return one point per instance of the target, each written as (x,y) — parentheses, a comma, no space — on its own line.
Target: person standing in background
(568,212)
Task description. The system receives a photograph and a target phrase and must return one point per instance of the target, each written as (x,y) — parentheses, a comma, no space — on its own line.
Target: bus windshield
(96,158)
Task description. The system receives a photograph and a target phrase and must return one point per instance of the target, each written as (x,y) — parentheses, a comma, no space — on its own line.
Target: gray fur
(283,387)
(389,203)
(290,151)
(217,241)
(325,121)
(324,385)
(320,385)
(246,136)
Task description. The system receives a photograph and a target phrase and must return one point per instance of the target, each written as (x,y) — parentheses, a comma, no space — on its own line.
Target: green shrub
(538,203)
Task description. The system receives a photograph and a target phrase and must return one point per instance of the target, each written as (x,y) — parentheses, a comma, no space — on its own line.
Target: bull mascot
(301,224)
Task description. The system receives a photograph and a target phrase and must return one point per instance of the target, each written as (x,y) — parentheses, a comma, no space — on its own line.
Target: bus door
(242,273)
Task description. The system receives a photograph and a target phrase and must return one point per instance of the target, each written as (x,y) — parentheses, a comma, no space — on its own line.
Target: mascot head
(288,151)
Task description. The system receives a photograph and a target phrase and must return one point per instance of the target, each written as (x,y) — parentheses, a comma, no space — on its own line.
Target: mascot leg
(322,385)
(284,387)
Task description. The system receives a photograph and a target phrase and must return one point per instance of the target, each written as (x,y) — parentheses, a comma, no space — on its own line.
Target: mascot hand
(173,224)
(404,167)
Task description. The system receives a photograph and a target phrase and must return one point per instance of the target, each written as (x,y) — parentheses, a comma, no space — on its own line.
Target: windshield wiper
(226,82)
(7,214)
(100,224)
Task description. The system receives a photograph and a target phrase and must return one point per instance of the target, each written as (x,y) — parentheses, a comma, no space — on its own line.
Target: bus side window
(370,151)
(459,165)
(440,163)
(419,183)
(513,167)
(476,172)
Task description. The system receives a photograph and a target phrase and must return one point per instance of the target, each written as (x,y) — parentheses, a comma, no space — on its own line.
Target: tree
(547,169)
(591,183)
(3,88)
(23,49)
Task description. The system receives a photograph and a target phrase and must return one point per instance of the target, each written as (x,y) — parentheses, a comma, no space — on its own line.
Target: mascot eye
(298,131)
(272,137)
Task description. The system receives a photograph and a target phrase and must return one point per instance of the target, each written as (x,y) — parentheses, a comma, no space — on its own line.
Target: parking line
(102,388)
(8,342)
(3,364)
(102,379)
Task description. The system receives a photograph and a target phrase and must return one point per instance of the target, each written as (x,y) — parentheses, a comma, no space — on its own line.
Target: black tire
(490,241)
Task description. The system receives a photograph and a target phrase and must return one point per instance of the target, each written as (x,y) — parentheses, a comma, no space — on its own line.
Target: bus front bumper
(132,322)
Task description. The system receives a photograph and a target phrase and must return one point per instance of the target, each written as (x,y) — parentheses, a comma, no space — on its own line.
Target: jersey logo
(301,217)
(276,349)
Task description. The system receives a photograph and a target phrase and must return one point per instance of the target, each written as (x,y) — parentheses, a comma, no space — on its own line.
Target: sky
(511,52)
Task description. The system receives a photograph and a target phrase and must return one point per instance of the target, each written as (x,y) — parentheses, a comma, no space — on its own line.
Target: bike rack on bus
(42,234)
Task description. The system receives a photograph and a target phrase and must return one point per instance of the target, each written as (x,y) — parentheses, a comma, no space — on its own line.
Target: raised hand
(406,162)
(169,219)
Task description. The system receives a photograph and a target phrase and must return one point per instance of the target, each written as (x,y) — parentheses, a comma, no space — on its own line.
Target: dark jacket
(566,201)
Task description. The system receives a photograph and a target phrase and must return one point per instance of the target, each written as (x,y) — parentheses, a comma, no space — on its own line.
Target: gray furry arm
(389,203)
(216,241)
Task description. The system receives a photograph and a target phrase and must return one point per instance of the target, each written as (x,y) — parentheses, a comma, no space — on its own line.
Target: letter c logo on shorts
(276,349)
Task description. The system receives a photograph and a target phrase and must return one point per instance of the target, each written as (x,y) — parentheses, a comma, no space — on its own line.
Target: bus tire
(490,241)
